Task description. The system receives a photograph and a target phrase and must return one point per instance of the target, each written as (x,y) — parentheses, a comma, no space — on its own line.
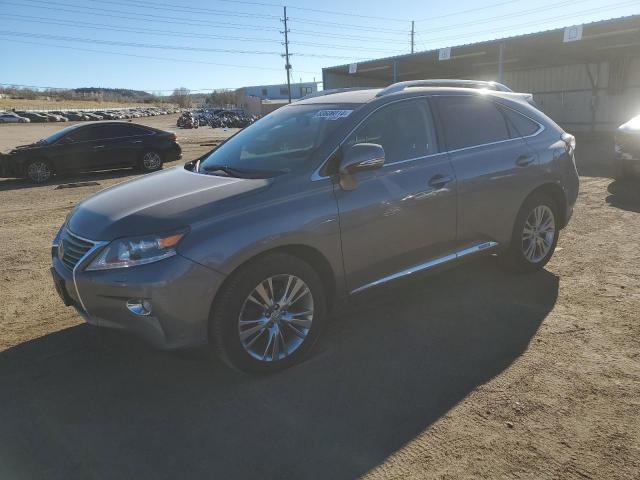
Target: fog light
(139,306)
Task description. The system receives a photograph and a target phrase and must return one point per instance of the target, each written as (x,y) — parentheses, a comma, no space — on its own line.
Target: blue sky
(205,44)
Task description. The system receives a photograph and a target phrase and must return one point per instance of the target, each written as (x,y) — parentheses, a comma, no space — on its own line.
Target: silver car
(250,246)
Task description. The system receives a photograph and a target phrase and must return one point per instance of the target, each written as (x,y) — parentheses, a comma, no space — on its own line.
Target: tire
(619,170)
(39,171)
(529,255)
(151,161)
(270,338)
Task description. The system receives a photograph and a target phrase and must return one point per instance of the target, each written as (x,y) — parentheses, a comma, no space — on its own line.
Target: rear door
(494,166)
(402,216)
(121,144)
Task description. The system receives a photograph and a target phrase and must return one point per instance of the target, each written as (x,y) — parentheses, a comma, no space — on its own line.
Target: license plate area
(58,283)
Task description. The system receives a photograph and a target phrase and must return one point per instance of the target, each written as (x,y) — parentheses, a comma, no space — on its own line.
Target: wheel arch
(556,192)
(306,253)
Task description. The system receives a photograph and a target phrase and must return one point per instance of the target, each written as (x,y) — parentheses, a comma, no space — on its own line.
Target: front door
(402,216)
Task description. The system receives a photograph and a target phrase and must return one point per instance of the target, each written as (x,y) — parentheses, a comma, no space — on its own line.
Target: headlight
(130,252)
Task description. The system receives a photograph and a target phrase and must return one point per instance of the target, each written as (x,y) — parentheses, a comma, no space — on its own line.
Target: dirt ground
(475,373)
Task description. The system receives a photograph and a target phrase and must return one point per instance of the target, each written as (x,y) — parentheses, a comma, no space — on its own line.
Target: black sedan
(627,158)
(90,147)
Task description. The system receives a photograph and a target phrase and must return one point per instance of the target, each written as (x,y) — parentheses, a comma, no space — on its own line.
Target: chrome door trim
(427,265)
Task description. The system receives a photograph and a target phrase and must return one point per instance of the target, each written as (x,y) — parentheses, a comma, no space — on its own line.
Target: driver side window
(404,129)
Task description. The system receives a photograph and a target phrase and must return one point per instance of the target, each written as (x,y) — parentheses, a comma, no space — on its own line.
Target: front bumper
(179,291)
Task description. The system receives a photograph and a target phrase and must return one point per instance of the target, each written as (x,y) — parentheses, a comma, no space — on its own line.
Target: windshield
(281,142)
(58,135)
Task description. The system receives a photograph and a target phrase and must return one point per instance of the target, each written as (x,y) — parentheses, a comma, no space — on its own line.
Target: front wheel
(535,235)
(269,315)
(151,161)
(39,171)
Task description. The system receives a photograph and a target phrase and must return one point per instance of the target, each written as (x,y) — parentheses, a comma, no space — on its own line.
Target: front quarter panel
(295,211)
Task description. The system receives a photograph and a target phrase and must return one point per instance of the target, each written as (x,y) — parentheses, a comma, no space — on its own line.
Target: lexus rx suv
(250,246)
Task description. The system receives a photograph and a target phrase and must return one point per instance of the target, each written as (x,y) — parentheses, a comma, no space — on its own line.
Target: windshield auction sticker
(332,114)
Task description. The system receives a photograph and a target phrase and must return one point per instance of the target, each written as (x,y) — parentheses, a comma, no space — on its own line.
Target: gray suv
(250,246)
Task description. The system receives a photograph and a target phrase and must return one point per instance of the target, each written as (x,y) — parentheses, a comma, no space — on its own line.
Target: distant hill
(115,92)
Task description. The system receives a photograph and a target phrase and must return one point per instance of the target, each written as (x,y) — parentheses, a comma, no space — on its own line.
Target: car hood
(159,202)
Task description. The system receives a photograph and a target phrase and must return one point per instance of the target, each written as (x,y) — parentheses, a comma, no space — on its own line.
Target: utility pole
(287,65)
(413,34)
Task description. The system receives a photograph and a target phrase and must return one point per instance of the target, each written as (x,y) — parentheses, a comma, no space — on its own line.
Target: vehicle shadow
(21,183)
(624,195)
(85,403)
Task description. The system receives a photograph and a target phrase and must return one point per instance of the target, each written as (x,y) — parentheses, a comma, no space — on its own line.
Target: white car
(11,117)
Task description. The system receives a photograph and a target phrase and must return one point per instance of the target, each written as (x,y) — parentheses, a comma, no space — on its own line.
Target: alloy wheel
(151,161)
(276,318)
(39,171)
(538,234)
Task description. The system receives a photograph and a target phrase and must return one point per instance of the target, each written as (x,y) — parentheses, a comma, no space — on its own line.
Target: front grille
(71,249)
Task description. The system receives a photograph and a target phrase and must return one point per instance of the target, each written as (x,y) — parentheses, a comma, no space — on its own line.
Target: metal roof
(600,41)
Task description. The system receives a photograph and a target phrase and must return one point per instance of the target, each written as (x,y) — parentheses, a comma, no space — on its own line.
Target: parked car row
(22,116)
(218,118)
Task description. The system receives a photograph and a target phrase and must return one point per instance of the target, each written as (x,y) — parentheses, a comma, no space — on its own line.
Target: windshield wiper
(230,172)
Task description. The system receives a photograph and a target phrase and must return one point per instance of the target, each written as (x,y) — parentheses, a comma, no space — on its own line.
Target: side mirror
(361,157)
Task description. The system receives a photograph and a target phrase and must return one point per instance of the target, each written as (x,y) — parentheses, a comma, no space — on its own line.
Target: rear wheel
(269,315)
(619,170)
(535,235)
(150,161)
(39,171)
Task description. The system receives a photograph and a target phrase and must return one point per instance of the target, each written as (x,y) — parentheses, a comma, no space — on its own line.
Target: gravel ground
(475,373)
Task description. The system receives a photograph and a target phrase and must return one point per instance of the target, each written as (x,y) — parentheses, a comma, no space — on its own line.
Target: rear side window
(469,121)
(116,131)
(522,125)
(404,129)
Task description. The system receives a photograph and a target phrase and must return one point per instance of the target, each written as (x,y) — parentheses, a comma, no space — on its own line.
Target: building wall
(566,94)
(278,92)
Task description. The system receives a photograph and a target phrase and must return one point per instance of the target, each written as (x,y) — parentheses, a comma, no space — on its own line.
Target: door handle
(439,180)
(96,147)
(525,160)
(135,141)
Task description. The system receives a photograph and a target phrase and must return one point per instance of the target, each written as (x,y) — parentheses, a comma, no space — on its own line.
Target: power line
(470,10)
(157,46)
(543,8)
(571,15)
(165,33)
(99,26)
(202,24)
(348,25)
(148,57)
(65,38)
(176,8)
(280,5)
(147,17)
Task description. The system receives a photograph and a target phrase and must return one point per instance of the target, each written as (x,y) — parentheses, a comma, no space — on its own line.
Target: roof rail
(331,91)
(398,87)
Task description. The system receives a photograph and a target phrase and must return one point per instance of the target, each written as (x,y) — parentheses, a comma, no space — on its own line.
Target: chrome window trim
(316,174)
(541,128)
(427,265)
